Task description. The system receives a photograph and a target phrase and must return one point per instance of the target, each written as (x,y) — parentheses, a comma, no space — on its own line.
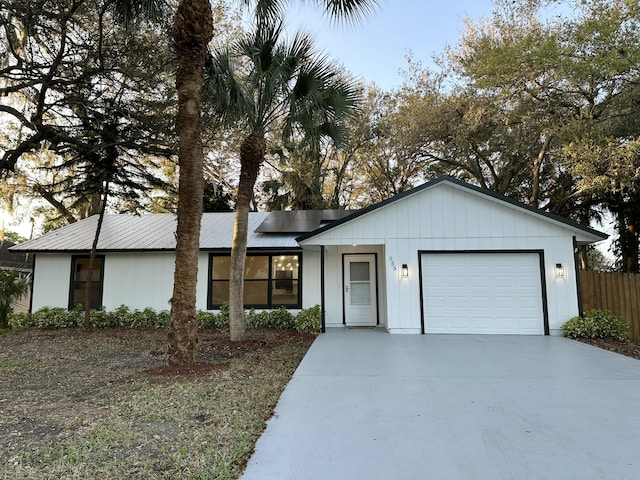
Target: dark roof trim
(460,183)
(80,251)
(164,250)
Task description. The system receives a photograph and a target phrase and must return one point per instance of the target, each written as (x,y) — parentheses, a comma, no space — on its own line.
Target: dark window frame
(271,279)
(72,279)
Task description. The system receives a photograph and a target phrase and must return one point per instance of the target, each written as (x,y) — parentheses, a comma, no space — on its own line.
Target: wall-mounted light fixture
(559,270)
(405,270)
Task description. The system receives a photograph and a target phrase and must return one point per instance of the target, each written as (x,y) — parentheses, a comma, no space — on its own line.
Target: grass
(137,425)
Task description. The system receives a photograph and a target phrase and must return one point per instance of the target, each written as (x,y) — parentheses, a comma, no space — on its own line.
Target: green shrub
(222,319)
(596,324)
(279,319)
(124,315)
(13,285)
(163,319)
(57,317)
(103,319)
(206,319)
(309,320)
(214,320)
(20,320)
(282,319)
(149,318)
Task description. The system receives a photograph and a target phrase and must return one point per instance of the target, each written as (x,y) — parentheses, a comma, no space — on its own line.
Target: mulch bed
(630,348)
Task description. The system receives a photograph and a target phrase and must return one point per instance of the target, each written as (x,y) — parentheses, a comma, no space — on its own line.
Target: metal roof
(152,232)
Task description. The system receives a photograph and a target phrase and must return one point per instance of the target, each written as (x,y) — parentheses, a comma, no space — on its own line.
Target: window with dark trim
(271,280)
(80,281)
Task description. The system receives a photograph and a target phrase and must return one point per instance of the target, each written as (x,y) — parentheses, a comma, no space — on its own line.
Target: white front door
(360,302)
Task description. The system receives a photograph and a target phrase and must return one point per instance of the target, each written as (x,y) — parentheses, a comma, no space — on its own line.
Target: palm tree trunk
(252,154)
(192,31)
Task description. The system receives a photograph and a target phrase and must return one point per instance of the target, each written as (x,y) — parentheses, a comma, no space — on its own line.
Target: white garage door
(497,293)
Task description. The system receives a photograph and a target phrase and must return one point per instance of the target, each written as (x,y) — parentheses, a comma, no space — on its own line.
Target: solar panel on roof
(298,221)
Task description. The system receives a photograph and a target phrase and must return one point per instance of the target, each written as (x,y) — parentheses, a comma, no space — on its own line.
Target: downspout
(323,328)
(576,253)
(33,276)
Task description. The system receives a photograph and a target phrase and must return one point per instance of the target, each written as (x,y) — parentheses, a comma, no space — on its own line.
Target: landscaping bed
(629,348)
(104,404)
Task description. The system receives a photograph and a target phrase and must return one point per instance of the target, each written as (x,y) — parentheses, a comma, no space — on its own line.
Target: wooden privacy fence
(618,293)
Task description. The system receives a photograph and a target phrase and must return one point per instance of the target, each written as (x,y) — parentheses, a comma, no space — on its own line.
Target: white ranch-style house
(445,257)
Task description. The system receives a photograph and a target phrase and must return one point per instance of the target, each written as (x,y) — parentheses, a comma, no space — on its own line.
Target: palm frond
(128,12)
(222,90)
(274,82)
(346,11)
(351,11)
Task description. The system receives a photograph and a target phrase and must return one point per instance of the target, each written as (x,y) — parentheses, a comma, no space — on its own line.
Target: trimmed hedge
(307,321)
(57,317)
(596,324)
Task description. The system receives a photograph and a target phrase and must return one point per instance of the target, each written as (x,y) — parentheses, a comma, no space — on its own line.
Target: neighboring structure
(445,257)
(16,261)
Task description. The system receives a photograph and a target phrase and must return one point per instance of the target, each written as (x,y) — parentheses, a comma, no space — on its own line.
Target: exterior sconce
(405,270)
(559,270)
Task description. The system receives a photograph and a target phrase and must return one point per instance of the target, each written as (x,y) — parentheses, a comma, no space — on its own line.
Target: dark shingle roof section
(446,178)
(11,259)
(299,221)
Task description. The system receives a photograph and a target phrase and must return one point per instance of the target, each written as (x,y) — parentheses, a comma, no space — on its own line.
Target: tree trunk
(92,258)
(631,253)
(583,257)
(192,31)
(537,165)
(252,153)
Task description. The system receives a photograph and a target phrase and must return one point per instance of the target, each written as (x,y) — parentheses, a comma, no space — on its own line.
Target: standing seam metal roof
(153,232)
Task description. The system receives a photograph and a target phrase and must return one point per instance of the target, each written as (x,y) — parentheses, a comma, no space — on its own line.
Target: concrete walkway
(368,405)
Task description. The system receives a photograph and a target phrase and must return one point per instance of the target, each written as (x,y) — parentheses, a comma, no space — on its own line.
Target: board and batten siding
(334,283)
(311,289)
(451,218)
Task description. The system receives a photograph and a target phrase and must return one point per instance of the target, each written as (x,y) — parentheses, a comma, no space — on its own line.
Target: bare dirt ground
(630,348)
(104,404)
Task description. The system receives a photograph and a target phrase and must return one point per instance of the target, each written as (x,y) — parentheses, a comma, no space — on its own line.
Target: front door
(360,303)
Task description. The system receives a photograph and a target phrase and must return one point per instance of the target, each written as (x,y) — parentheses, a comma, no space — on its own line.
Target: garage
(482,293)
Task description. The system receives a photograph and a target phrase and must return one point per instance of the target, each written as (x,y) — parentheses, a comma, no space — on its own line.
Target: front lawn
(102,404)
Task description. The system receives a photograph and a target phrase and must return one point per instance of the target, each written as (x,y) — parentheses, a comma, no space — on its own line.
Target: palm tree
(13,285)
(271,88)
(192,32)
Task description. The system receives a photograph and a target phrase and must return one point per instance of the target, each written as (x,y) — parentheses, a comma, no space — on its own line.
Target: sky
(375,49)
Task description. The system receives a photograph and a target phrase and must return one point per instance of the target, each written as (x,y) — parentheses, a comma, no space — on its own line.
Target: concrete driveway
(368,405)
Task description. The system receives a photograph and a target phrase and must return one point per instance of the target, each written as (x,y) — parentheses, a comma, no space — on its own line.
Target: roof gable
(584,234)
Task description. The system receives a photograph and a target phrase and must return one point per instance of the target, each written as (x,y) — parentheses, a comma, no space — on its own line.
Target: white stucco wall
(144,279)
(138,280)
(448,218)
(51,281)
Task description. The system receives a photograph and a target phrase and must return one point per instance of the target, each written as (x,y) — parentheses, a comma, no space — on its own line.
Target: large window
(80,281)
(270,280)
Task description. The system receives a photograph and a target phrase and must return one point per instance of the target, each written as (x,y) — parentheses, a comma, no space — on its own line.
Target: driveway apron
(364,404)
